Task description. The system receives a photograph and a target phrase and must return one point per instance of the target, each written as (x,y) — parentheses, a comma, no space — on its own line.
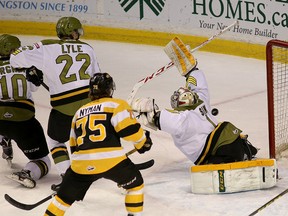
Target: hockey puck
(53,187)
(215,112)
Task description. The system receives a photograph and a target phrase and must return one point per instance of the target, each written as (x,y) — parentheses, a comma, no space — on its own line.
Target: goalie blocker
(233,177)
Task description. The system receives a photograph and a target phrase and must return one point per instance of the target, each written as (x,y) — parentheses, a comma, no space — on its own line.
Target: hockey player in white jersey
(17,118)
(67,65)
(195,131)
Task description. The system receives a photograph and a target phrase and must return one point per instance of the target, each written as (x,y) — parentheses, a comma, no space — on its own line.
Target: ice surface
(238,89)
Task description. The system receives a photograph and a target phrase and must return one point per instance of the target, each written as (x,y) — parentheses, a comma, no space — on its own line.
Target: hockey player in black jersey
(96,150)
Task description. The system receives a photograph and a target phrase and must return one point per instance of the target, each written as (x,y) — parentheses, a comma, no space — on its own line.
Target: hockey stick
(165,68)
(144,165)
(269,202)
(33,72)
(27,207)
(140,166)
(45,86)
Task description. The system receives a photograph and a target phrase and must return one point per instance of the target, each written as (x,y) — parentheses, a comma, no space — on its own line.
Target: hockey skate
(7,153)
(23,177)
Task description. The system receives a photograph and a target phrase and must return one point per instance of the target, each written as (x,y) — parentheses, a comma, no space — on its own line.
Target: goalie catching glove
(147,145)
(147,109)
(34,75)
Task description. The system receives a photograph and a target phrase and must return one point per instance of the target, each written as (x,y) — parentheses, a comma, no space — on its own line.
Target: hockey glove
(147,145)
(147,108)
(34,75)
(143,105)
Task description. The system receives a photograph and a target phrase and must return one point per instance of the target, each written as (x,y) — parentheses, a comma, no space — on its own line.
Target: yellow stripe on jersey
(92,166)
(209,144)
(125,122)
(140,141)
(70,94)
(26,102)
(97,145)
(191,80)
(100,153)
(123,119)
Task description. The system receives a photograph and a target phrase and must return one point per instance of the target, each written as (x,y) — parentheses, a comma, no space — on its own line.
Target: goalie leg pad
(233,177)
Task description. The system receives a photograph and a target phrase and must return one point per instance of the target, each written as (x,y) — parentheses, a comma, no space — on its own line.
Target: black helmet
(101,85)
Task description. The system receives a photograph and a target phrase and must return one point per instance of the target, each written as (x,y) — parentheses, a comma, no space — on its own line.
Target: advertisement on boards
(259,21)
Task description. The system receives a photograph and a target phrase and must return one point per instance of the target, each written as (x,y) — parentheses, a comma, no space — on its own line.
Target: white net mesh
(280,94)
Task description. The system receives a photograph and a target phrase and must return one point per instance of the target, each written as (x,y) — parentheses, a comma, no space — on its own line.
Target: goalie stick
(165,68)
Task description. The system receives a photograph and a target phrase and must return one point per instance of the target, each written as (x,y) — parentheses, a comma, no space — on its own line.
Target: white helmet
(183,97)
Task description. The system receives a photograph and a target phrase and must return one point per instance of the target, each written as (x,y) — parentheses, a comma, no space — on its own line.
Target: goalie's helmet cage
(101,85)
(183,97)
(8,44)
(66,25)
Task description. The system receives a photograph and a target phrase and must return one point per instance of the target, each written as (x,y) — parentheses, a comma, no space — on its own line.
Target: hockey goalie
(224,160)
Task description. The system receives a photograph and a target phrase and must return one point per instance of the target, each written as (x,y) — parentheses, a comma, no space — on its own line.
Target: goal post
(277,95)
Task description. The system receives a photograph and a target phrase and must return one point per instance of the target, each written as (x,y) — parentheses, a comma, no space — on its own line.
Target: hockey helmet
(66,25)
(101,85)
(183,97)
(8,44)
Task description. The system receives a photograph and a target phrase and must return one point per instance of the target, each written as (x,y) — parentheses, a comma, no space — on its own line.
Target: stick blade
(24,206)
(18,204)
(145,165)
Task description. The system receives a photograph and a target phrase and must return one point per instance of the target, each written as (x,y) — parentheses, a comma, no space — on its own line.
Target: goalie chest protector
(233,177)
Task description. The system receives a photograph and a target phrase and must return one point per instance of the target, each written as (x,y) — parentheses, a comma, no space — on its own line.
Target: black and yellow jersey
(96,130)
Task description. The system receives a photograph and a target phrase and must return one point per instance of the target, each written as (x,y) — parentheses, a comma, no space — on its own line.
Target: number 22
(69,62)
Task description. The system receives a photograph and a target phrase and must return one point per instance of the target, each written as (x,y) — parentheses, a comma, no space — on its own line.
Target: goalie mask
(101,85)
(8,44)
(67,25)
(183,97)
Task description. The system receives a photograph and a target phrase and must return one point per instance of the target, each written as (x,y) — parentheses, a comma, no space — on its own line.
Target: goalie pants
(224,145)
(74,187)
(28,135)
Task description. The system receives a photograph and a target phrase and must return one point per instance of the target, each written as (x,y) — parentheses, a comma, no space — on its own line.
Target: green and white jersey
(16,102)
(67,66)
(189,128)
(196,82)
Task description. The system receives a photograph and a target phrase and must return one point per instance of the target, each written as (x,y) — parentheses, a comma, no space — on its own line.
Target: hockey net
(277,92)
